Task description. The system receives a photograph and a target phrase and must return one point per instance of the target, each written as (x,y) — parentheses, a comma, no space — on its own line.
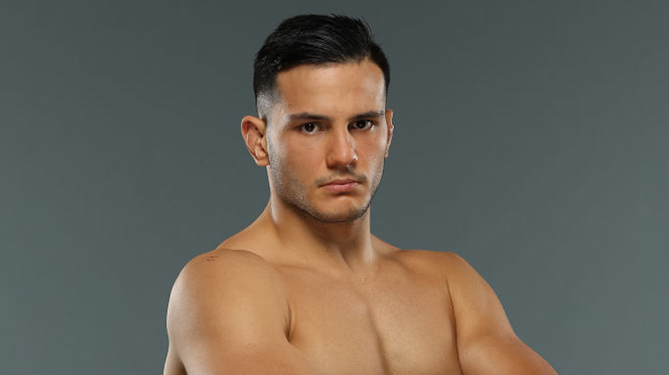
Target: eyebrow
(314,116)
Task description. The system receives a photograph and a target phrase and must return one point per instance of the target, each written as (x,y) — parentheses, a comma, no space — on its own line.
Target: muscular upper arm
(486,342)
(228,314)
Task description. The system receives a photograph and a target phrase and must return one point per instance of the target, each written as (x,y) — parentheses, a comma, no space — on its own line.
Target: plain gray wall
(531,138)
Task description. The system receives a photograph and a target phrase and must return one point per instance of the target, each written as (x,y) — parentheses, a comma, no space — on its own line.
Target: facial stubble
(289,189)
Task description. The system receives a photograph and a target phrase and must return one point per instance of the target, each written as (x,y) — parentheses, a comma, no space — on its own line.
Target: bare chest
(397,324)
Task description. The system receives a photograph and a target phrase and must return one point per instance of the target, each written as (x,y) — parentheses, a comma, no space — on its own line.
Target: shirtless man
(306,289)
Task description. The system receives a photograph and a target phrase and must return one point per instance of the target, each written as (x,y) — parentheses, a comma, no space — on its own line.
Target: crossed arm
(228,314)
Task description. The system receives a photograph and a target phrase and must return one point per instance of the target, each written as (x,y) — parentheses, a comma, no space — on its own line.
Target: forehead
(338,88)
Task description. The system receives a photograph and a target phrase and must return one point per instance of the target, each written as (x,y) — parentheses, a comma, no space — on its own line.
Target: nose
(341,150)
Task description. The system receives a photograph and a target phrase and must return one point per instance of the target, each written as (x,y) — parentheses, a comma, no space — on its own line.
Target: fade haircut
(312,39)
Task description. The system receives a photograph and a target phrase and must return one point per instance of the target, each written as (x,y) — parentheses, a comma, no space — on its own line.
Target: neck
(322,244)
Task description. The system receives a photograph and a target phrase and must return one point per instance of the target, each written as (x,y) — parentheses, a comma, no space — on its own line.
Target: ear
(391,128)
(254,131)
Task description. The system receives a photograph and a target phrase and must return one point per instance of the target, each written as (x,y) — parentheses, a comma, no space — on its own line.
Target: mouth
(341,185)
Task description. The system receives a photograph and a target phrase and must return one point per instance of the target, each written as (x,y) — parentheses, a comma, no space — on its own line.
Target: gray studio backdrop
(531,138)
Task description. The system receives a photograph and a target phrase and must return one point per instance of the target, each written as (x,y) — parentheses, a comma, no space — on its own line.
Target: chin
(338,216)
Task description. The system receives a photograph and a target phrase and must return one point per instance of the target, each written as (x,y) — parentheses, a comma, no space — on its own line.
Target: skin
(306,288)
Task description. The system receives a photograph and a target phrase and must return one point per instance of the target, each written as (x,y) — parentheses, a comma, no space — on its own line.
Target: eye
(309,127)
(362,124)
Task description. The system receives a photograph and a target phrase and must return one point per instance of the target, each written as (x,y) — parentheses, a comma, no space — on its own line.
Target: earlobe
(253,132)
(391,129)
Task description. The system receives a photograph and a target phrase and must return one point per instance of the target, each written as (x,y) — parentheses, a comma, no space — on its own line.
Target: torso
(400,321)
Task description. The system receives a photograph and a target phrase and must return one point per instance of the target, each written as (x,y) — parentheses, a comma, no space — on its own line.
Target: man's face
(327,139)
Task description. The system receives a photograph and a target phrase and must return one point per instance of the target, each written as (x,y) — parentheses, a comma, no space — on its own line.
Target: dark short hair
(315,39)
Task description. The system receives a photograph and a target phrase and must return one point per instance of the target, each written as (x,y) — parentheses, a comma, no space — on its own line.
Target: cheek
(300,157)
(374,149)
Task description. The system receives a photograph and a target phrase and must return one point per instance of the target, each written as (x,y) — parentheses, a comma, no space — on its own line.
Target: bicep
(231,319)
(486,342)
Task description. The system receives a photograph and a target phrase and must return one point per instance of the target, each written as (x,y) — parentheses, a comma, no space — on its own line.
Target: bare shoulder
(444,263)
(222,258)
(221,273)
(464,283)
(221,269)
(486,342)
(223,300)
